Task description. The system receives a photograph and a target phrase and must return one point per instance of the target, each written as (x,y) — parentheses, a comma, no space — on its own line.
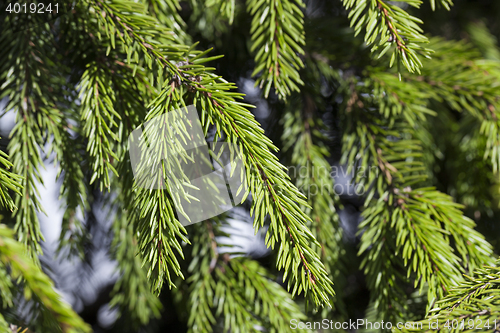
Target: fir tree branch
(6,287)
(131,293)
(4,326)
(237,290)
(37,283)
(99,120)
(470,307)
(73,191)
(166,12)
(465,83)
(8,182)
(37,118)
(278,37)
(225,8)
(484,40)
(387,25)
(308,152)
(381,264)
(271,190)
(445,3)
(422,218)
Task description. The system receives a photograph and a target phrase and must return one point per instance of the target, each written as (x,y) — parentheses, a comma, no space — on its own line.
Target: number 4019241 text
(32,8)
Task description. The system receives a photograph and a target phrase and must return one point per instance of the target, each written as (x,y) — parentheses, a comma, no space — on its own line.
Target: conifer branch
(132,292)
(445,3)
(423,218)
(308,152)
(99,120)
(225,8)
(132,61)
(272,192)
(166,12)
(470,307)
(37,119)
(73,191)
(278,37)
(8,182)
(468,86)
(4,326)
(387,25)
(237,290)
(38,284)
